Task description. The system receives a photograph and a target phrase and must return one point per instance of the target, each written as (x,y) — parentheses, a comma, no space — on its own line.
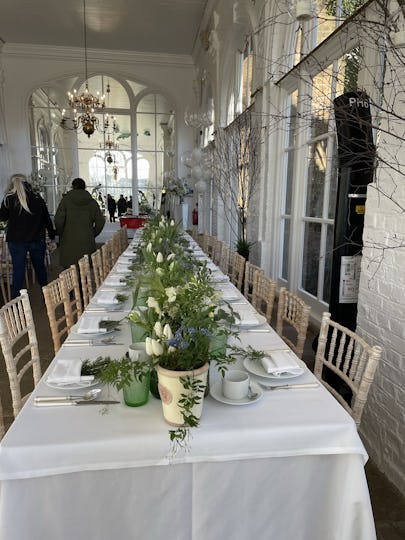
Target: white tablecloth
(289,466)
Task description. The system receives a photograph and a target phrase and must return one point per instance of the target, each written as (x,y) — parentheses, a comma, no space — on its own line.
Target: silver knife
(55,403)
(289,386)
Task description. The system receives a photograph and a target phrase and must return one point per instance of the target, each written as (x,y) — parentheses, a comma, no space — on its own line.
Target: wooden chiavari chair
(251,271)
(263,294)
(237,270)
(71,290)
(57,307)
(98,271)
(86,279)
(19,344)
(293,318)
(345,355)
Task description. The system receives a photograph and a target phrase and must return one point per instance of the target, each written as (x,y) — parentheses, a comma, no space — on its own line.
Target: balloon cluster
(200,167)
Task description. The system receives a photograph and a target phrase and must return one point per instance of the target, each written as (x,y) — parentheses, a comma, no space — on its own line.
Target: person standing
(111,207)
(121,205)
(78,220)
(27,218)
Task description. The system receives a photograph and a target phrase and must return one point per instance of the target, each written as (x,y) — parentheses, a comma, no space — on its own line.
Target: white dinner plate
(216,393)
(255,367)
(73,386)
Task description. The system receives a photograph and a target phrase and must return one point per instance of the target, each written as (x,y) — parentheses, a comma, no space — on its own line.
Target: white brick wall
(381,317)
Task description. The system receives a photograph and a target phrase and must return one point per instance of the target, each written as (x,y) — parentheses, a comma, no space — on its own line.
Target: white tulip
(167,331)
(157,348)
(149,247)
(171,294)
(148,346)
(171,256)
(172,222)
(157,327)
(153,303)
(159,257)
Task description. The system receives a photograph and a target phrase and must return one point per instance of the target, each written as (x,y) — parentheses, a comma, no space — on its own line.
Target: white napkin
(278,362)
(122,269)
(247,318)
(114,280)
(106,297)
(228,292)
(67,371)
(90,325)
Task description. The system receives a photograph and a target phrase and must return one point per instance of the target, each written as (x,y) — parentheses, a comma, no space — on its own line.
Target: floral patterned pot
(171,388)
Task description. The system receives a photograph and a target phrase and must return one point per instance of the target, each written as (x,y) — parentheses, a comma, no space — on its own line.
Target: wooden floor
(388,504)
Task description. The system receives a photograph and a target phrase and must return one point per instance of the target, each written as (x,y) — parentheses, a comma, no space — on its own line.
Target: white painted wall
(26,67)
(381,317)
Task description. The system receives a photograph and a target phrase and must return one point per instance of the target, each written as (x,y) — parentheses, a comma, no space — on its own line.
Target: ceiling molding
(96,55)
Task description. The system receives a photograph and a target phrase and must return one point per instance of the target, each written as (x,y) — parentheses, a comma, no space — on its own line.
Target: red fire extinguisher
(195,215)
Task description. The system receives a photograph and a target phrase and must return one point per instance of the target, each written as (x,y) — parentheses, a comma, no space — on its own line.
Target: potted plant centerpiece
(180,320)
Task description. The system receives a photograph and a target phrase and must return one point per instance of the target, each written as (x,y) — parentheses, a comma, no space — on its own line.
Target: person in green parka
(78,220)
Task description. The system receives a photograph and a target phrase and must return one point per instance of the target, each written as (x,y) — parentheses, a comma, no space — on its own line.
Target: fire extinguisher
(195,216)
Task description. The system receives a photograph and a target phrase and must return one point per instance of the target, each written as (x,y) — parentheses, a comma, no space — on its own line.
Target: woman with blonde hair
(27,218)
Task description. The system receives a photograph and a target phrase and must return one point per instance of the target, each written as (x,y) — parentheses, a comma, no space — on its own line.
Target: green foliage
(123,371)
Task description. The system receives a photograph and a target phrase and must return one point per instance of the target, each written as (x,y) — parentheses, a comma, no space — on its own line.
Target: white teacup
(235,384)
(137,351)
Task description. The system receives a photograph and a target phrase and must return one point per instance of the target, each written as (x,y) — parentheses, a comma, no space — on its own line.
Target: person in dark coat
(111,207)
(27,218)
(78,220)
(121,205)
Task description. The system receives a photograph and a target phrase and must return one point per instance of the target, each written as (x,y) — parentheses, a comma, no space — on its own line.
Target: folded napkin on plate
(68,371)
(115,280)
(228,292)
(106,297)
(247,318)
(122,269)
(91,325)
(282,361)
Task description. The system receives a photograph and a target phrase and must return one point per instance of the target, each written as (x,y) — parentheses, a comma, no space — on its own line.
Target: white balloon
(196,172)
(186,158)
(196,155)
(201,186)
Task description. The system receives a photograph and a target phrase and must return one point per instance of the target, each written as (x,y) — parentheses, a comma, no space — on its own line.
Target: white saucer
(216,393)
(255,367)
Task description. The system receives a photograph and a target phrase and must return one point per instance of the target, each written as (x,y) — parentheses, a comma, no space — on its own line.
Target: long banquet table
(287,466)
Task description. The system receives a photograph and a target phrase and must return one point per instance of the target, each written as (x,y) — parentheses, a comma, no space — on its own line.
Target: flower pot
(171,388)
(137,393)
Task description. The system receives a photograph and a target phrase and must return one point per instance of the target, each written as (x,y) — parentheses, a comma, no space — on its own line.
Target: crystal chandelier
(109,131)
(83,106)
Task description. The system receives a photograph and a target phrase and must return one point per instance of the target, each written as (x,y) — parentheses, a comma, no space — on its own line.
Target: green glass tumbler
(219,343)
(137,392)
(137,332)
